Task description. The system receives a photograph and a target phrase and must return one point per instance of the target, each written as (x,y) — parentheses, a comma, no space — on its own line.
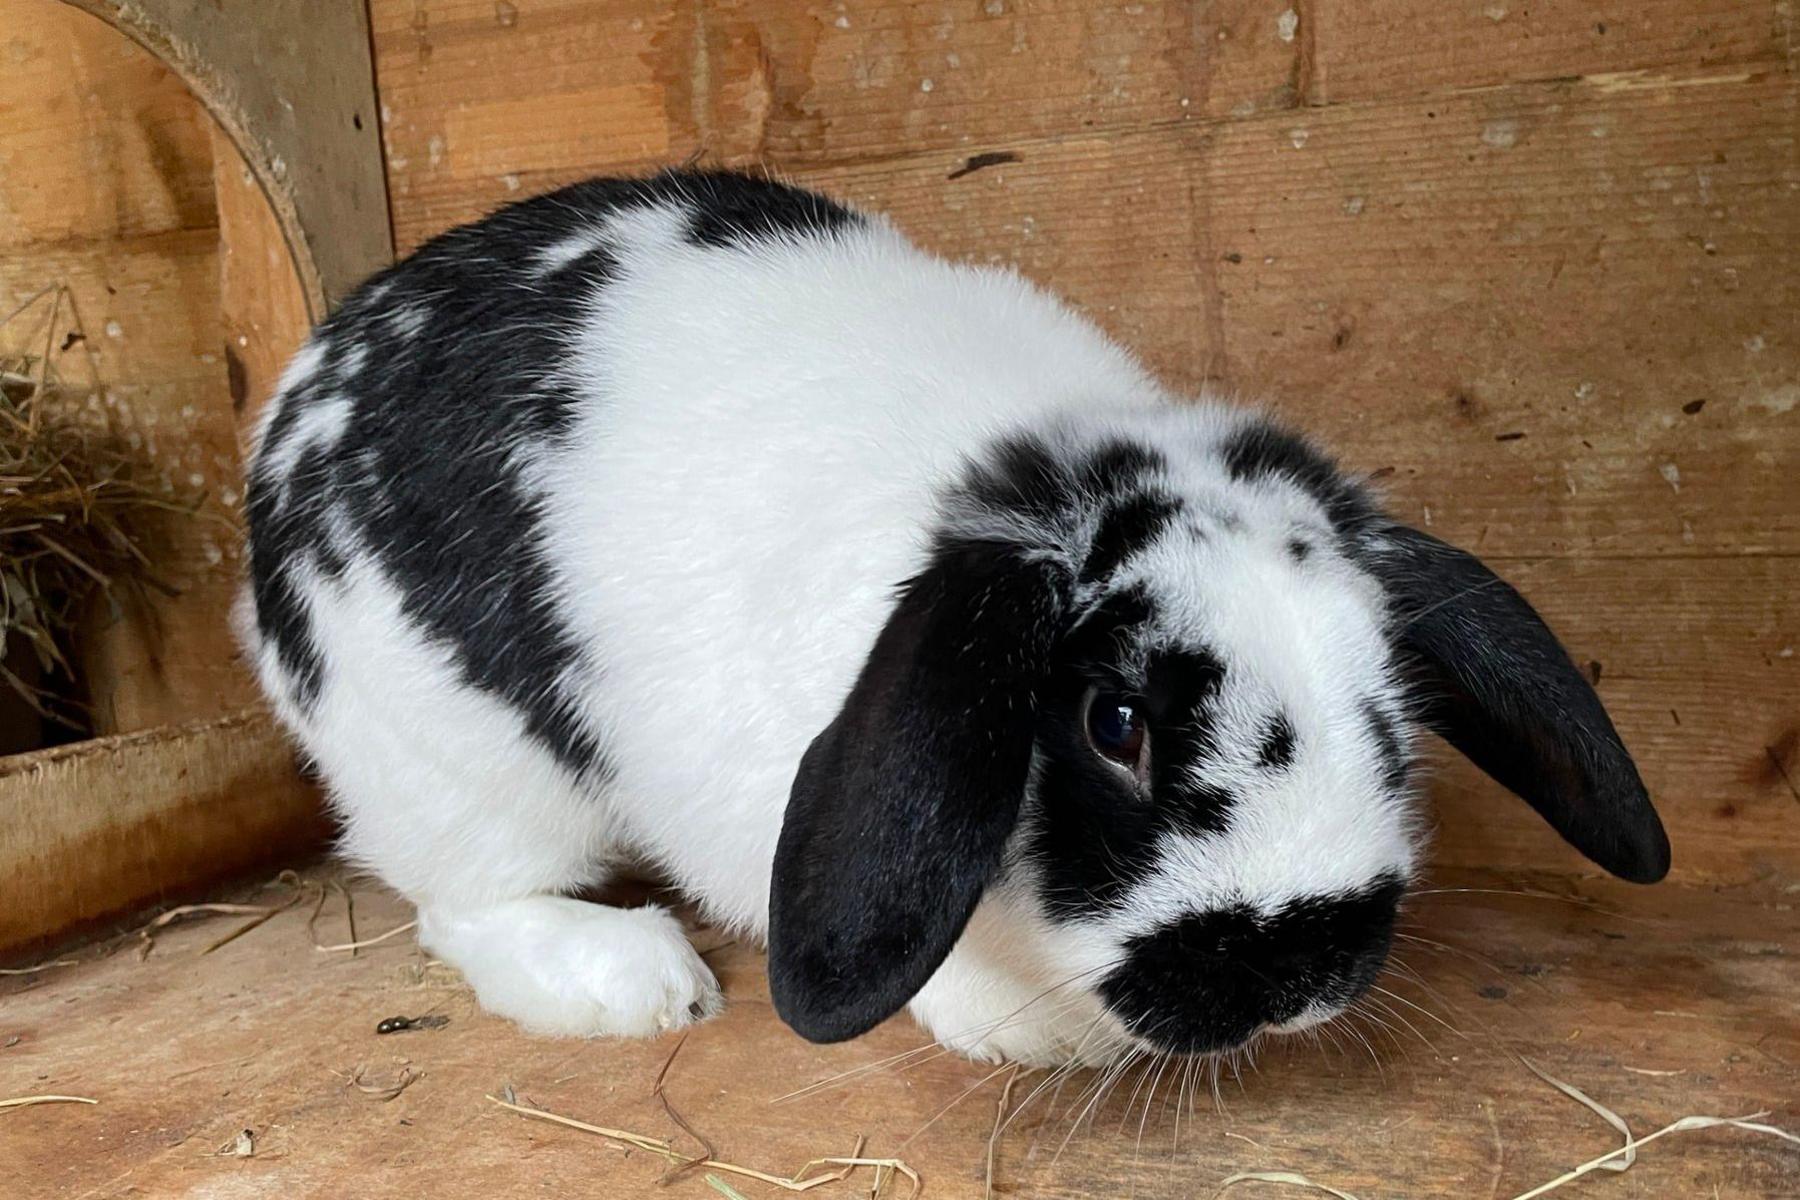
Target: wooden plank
(1411,47)
(97,139)
(97,828)
(1515,298)
(1699,665)
(149,309)
(1681,1003)
(483,101)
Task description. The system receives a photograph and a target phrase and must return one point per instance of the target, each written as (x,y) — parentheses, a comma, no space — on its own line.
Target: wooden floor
(1658,1003)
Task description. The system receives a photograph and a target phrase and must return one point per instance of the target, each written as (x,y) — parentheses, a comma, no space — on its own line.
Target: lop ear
(1496,683)
(901,808)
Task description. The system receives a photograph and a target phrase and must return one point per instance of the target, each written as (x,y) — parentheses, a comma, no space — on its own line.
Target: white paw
(567,967)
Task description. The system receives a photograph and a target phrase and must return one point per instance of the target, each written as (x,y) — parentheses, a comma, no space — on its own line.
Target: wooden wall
(1536,265)
(114,182)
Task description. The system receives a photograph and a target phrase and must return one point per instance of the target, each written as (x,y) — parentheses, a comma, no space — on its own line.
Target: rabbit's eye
(1116,730)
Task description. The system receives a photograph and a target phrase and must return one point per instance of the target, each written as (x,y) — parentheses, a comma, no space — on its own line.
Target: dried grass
(1286,1178)
(385,1091)
(33,970)
(993,1144)
(802,1180)
(76,501)
(28,1101)
(147,933)
(354,946)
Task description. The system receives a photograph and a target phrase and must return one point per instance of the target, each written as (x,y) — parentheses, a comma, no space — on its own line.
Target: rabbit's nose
(1211,980)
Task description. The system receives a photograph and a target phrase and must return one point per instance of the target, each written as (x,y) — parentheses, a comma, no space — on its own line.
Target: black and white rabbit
(890,609)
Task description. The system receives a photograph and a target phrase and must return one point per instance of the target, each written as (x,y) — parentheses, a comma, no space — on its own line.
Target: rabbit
(889,609)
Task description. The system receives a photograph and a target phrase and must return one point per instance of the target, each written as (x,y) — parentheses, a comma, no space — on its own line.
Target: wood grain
(262,307)
(1412,47)
(1658,1003)
(100,827)
(1513,299)
(1699,665)
(97,139)
(580,90)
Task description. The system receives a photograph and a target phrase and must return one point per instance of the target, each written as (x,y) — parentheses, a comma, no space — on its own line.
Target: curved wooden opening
(155,274)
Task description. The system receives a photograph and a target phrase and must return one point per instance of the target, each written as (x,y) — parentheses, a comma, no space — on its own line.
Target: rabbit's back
(611,491)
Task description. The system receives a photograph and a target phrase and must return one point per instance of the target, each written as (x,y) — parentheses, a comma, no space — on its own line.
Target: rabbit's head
(1162,677)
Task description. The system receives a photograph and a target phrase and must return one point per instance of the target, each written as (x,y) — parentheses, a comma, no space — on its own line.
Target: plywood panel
(1658,1003)
(1412,47)
(96,138)
(482,101)
(1561,314)
(262,308)
(293,87)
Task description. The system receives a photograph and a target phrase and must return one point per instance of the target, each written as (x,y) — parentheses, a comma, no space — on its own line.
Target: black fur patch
(1209,981)
(1093,835)
(902,807)
(1128,527)
(1395,766)
(426,473)
(1277,749)
(1022,476)
(1261,451)
(1117,467)
(731,209)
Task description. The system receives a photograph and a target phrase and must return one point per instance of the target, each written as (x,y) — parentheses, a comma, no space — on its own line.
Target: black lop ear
(1501,689)
(901,809)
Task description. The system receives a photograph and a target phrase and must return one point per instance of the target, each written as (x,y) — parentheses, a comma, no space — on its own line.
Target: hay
(1750,1123)
(802,1180)
(707,1149)
(385,1091)
(28,1101)
(354,946)
(78,498)
(1286,1178)
(33,970)
(993,1145)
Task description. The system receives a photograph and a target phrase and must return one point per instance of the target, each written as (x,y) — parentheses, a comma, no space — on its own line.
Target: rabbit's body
(571,533)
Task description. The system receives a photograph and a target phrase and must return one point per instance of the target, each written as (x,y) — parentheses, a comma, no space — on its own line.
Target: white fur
(319,425)
(766,433)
